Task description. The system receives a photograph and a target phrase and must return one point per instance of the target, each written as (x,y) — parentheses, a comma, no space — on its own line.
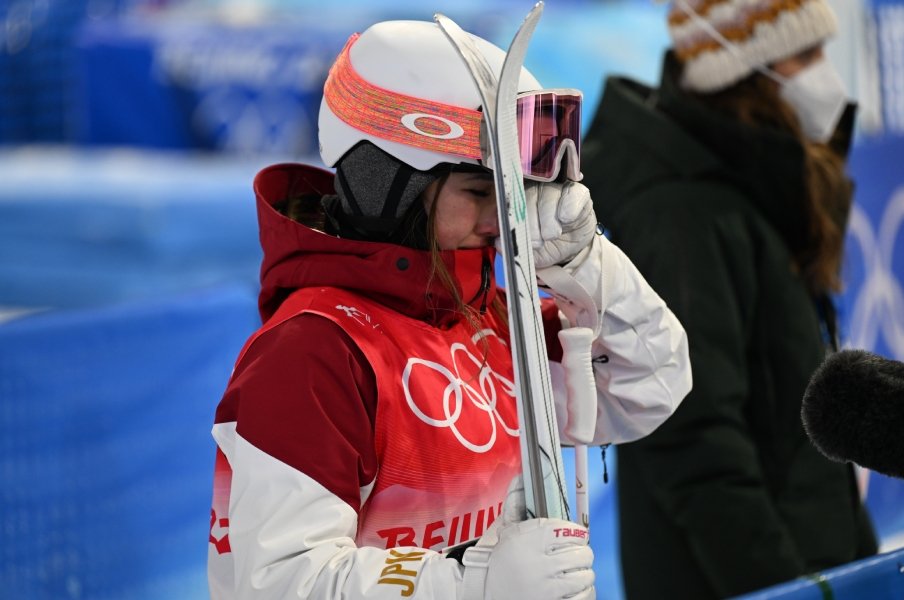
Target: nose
(488,222)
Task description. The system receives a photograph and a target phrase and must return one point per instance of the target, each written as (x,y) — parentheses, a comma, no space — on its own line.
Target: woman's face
(791,66)
(465,211)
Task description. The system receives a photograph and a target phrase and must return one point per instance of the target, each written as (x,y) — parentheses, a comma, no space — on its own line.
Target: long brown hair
(756,101)
(439,270)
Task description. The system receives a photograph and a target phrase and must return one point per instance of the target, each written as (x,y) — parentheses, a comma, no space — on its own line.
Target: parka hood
(297,256)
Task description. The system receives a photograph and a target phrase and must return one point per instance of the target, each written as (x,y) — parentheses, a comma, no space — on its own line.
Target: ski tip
(446,24)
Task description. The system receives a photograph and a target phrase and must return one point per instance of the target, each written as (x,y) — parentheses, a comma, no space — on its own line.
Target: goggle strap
(432,126)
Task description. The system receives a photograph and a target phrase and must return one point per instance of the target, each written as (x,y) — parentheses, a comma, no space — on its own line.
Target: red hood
(296,256)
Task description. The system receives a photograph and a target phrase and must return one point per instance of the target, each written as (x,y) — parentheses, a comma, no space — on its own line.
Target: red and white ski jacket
(367,426)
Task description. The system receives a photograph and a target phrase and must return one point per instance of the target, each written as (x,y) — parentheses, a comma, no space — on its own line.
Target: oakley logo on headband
(452,129)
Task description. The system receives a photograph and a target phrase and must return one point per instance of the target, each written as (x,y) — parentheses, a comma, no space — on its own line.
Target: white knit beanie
(761,31)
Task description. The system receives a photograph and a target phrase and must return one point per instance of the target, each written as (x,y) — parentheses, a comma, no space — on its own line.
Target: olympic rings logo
(878,308)
(463,393)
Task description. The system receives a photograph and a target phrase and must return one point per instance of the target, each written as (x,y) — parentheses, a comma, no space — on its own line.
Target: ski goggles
(549,131)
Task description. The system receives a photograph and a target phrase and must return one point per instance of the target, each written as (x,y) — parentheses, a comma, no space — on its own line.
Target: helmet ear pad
(413,59)
(377,190)
(372,183)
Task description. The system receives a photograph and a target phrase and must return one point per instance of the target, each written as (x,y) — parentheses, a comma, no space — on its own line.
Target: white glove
(561,221)
(536,559)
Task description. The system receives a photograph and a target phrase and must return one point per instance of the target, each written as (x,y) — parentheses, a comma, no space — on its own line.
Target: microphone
(853,411)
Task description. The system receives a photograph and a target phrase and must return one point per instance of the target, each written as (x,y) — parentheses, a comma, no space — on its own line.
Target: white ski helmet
(401,86)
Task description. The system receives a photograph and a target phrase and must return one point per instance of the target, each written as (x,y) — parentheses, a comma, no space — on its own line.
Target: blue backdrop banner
(107,459)
(195,84)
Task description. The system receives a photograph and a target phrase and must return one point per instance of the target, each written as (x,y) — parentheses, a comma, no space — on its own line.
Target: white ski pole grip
(581,387)
(579,382)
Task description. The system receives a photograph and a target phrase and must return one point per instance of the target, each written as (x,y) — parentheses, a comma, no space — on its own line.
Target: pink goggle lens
(549,129)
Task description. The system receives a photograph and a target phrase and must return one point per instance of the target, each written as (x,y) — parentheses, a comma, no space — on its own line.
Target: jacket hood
(687,140)
(297,256)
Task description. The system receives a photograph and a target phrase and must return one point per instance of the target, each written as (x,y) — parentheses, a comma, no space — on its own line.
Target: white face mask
(818,97)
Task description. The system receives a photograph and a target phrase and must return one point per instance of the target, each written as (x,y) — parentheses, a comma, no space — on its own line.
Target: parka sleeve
(639,355)
(702,465)
(296,463)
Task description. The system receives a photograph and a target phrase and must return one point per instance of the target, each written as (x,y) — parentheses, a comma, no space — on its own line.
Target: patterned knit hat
(761,31)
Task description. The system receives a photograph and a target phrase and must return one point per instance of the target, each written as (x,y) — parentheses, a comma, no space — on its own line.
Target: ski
(544,481)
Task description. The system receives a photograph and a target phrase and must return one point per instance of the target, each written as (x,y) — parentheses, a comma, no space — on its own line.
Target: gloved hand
(561,220)
(545,559)
(536,559)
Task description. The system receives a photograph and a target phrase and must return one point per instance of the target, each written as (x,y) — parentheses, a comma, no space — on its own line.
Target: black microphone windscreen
(853,410)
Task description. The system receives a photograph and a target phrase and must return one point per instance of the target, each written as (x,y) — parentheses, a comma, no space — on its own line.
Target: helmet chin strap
(409,231)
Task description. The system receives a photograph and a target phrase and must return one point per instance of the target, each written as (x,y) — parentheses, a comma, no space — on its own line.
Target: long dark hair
(756,101)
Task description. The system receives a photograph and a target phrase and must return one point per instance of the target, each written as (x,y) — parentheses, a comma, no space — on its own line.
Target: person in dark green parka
(726,187)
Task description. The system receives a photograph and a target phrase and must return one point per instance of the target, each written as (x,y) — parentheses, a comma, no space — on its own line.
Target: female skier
(370,424)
